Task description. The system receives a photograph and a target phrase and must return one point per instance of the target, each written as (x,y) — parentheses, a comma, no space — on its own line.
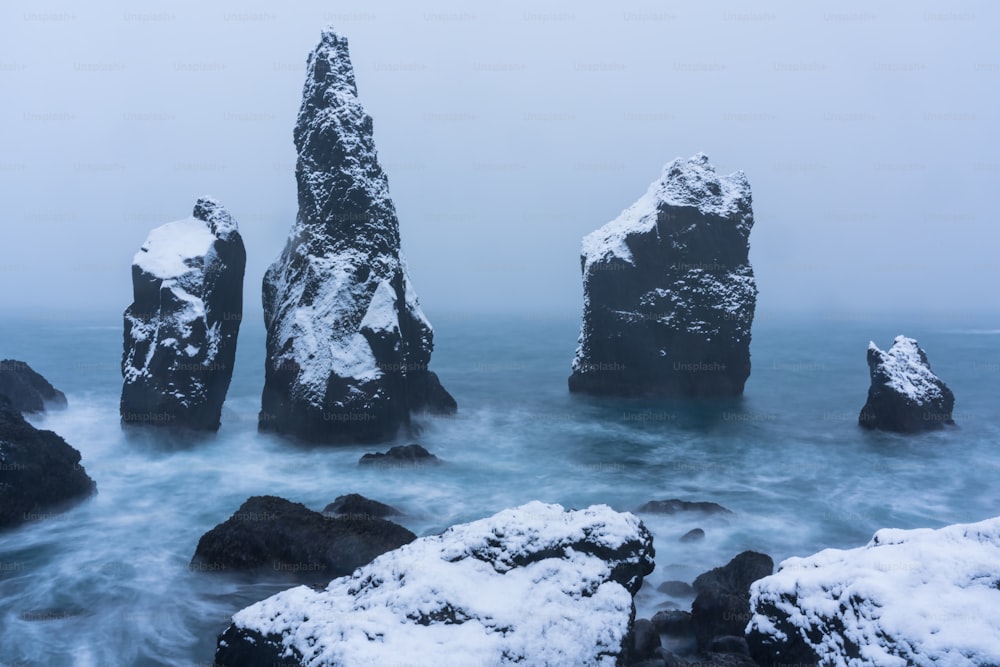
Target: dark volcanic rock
(273,535)
(675,506)
(673,623)
(532,585)
(182,326)
(905,396)
(39,473)
(693,535)
(669,294)
(26,390)
(356,506)
(722,607)
(644,640)
(678,589)
(406,455)
(348,346)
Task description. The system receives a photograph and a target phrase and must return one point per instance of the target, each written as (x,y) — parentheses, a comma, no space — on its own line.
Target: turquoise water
(107,583)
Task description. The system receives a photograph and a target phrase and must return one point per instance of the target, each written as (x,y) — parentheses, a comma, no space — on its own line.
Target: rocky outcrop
(40,474)
(909,597)
(27,390)
(274,537)
(348,345)
(400,455)
(669,294)
(722,608)
(905,395)
(533,585)
(181,329)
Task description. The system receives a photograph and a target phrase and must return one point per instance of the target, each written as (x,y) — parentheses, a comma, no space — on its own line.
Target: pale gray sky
(868,132)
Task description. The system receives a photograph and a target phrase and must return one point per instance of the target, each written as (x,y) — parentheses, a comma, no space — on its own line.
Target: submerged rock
(533,585)
(26,389)
(905,395)
(400,455)
(354,505)
(675,506)
(909,597)
(40,474)
(276,537)
(348,345)
(182,326)
(669,294)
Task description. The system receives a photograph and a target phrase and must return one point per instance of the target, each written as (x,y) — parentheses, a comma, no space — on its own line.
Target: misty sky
(868,132)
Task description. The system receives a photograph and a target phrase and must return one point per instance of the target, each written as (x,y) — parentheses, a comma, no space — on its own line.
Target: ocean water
(107,582)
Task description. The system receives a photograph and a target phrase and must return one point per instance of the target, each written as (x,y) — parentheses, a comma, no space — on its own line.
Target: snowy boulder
(908,598)
(181,329)
(280,539)
(669,294)
(40,474)
(905,395)
(533,585)
(348,345)
(26,389)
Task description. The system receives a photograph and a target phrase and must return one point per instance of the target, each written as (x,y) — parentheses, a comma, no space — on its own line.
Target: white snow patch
(381,314)
(558,611)
(170,248)
(910,597)
(907,373)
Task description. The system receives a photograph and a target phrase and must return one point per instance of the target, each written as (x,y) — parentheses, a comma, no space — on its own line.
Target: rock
(693,535)
(675,506)
(905,395)
(274,536)
(723,603)
(909,597)
(348,346)
(26,390)
(40,474)
(669,294)
(645,639)
(730,644)
(677,589)
(182,326)
(356,506)
(401,455)
(673,623)
(533,585)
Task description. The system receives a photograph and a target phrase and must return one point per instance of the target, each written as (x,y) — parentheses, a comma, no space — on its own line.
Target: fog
(868,134)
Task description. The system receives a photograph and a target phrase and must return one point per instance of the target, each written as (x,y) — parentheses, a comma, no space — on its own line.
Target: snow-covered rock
(182,326)
(348,345)
(669,294)
(907,598)
(534,585)
(39,472)
(905,395)
(26,389)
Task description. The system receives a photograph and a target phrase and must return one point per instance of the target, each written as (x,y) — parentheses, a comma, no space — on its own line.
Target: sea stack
(348,346)
(905,395)
(669,293)
(181,329)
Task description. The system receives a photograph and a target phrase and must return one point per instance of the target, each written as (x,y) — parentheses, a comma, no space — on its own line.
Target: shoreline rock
(669,293)
(401,456)
(182,327)
(26,389)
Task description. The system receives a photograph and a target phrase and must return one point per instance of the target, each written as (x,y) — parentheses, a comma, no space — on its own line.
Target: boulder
(348,346)
(674,506)
(669,293)
(401,455)
(182,326)
(905,395)
(356,506)
(693,535)
(26,390)
(278,538)
(533,585)
(673,623)
(40,474)
(677,589)
(722,607)
(909,597)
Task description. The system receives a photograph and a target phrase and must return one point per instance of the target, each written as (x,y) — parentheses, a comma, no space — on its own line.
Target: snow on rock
(909,597)
(534,585)
(669,293)
(182,326)
(905,395)
(348,347)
